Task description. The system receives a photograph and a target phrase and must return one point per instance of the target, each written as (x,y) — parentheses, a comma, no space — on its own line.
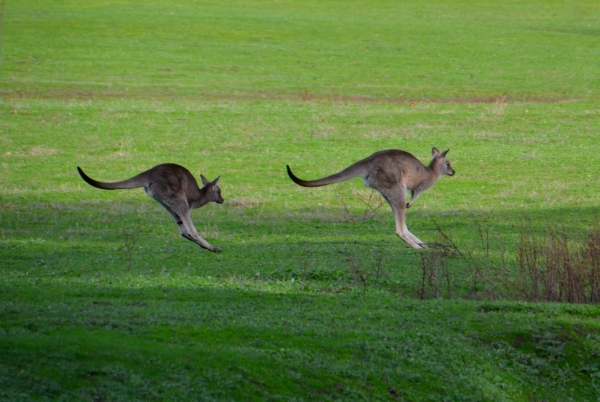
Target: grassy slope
(239,90)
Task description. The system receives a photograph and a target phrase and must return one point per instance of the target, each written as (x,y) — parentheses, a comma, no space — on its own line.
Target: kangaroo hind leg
(396,197)
(180,211)
(192,235)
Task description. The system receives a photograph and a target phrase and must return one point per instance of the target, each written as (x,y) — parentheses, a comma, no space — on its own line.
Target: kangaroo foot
(417,240)
(410,241)
(201,242)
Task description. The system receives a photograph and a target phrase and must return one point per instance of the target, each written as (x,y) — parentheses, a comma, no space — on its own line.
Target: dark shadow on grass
(76,319)
(312,249)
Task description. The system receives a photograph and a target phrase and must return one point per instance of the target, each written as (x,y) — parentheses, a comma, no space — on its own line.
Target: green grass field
(314,297)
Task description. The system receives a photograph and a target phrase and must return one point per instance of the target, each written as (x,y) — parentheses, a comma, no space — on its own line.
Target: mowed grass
(313,297)
(421,50)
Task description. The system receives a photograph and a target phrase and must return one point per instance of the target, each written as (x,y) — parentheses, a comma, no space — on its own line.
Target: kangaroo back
(134,182)
(355,170)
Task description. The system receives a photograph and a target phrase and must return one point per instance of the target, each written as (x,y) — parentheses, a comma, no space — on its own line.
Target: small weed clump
(130,239)
(365,277)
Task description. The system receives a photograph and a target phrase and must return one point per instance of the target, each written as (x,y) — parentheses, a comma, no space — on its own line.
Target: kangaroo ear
(204,180)
(215,181)
(445,152)
(435,152)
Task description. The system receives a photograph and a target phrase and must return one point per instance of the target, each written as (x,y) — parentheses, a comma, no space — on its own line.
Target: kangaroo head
(212,190)
(439,160)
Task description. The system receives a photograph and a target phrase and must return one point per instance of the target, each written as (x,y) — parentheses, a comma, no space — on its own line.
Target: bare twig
(130,238)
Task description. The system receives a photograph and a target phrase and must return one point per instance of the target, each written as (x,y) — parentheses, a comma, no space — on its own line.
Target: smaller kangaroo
(392,173)
(176,189)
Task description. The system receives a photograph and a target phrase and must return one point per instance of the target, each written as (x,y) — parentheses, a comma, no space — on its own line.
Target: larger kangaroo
(392,173)
(176,189)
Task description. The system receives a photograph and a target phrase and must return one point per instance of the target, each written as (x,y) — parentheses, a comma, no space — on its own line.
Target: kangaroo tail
(134,182)
(346,174)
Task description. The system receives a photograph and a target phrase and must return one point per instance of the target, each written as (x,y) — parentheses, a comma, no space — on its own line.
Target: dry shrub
(372,201)
(552,268)
(434,273)
(365,277)
(556,270)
